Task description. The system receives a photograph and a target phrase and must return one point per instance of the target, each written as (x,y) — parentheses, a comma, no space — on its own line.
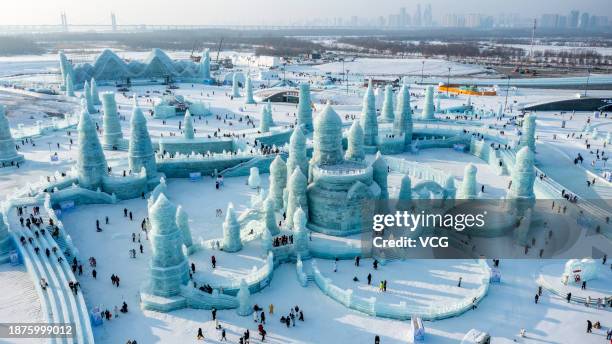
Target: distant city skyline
(282,12)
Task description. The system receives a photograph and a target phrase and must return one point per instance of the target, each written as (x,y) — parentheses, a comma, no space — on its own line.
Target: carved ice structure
(188,126)
(95,96)
(403,118)
(244,295)
(354,149)
(69,86)
(88,99)
(182,221)
(528,132)
(270,217)
(297,198)
(300,236)
(8,150)
(278,181)
(304,115)
(235,85)
(254,180)
(91,164)
(428,106)
(140,152)
(231,231)
(468,188)
(266,119)
(523,175)
(5,241)
(249,91)
(387,115)
(113,136)
(368,120)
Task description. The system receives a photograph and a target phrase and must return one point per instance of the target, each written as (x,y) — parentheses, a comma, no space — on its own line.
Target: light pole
(586,86)
(422,70)
(448,81)
(507,91)
(347,79)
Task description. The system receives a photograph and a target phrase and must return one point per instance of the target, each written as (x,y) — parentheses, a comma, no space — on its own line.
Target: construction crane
(219,49)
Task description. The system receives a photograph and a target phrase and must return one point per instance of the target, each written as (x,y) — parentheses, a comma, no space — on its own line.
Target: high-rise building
(584,20)
(417,16)
(573,19)
(427,16)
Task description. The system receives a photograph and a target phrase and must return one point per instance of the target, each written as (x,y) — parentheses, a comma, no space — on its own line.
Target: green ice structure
(266,119)
(300,236)
(140,152)
(69,86)
(387,115)
(468,188)
(297,152)
(523,176)
(297,198)
(95,96)
(235,85)
(368,120)
(428,107)
(278,181)
(231,231)
(403,118)
(6,244)
(8,150)
(113,136)
(91,163)
(188,126)
(182,221)
(354,149)
(249,91)
(304,115)
(89,103)
(205,65)
(270,225)
(529,132)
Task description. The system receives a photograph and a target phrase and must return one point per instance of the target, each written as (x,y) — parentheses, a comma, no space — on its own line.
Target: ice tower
(140,152)
(270,217)
(300,236)
(231,231)
(428,107)
(297,152)
(354,149)
(95,96)
(249,91)
(69,86)
(297,198)
(468,188)
(266,119)
(381,172)
(205,65)
(405,193)
(235,86)
(5,241)
(91,163)
(168,267)
(368,119)
(304,115)
(113,136)
(523,175)
(327,138)
(182,221)
(529,130)
(188,126)
(387,115)
(403,120)
(278,181)
(8,150)
(88,99)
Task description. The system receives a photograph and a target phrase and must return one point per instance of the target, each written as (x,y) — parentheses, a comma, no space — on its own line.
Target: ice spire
(168,267)
(270,217)
(354,149)
(297,152)
(95,96)
(468,188)
(182,221)
(65,68)
(380,173)
(235,85)
(266,119)
(403,120)
(140,152)
(91,163)
(529,130)
(297,197)
(438,102)
(278,181)
(428,107)
(8,150)
(231,231)
(327,137)
(387,110)
(244,304)
(405,193)
(249,91)
(368,119)
(205,65)
(523,175)
(110,122)
(88,99)
(500,111)
(304,115)
(300,236)
(69,86)
(188,126)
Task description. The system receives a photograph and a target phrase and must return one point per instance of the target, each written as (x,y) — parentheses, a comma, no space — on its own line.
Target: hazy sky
(264,11)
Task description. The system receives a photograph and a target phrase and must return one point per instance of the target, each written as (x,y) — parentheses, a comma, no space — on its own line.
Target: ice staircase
(58,301)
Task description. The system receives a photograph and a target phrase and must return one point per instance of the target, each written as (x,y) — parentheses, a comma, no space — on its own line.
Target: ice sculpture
(403,119)
(244,304)
(608,138)
(168,267)
(438,102)
(8,150)
(278,181)
(69,86)
(182,221)
(523,175)
(5,241)
(304,115)
(469,101)
(188,126)
(387,115)
(266,119)
(500,111)
(428,107)
(405,193)
(161,188)
(579,270)
(297,152)
(327,137)
(368,119)
(300,236)
(95,96)
(266,240)
(140,152)
(88,99)
(450,191)
(297,198)
(529,129)
(254,180)
(205,65)
(235,85)
(380,174)
(91,163)
(354,149)
(231,231)
(65,68)
(110,122)
(468,188)
(270,217)
(249,91)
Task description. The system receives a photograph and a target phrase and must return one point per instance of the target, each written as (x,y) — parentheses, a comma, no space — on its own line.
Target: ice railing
(40,128)
(402,310)
(208,156)
(341,171)
(33,188)
(416,170)
(255,276)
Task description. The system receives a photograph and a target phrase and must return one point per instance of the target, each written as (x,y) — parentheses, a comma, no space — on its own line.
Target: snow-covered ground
(507,308)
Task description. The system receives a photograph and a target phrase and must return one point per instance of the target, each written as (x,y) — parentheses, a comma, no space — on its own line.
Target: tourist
(589,326)
(200,335)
